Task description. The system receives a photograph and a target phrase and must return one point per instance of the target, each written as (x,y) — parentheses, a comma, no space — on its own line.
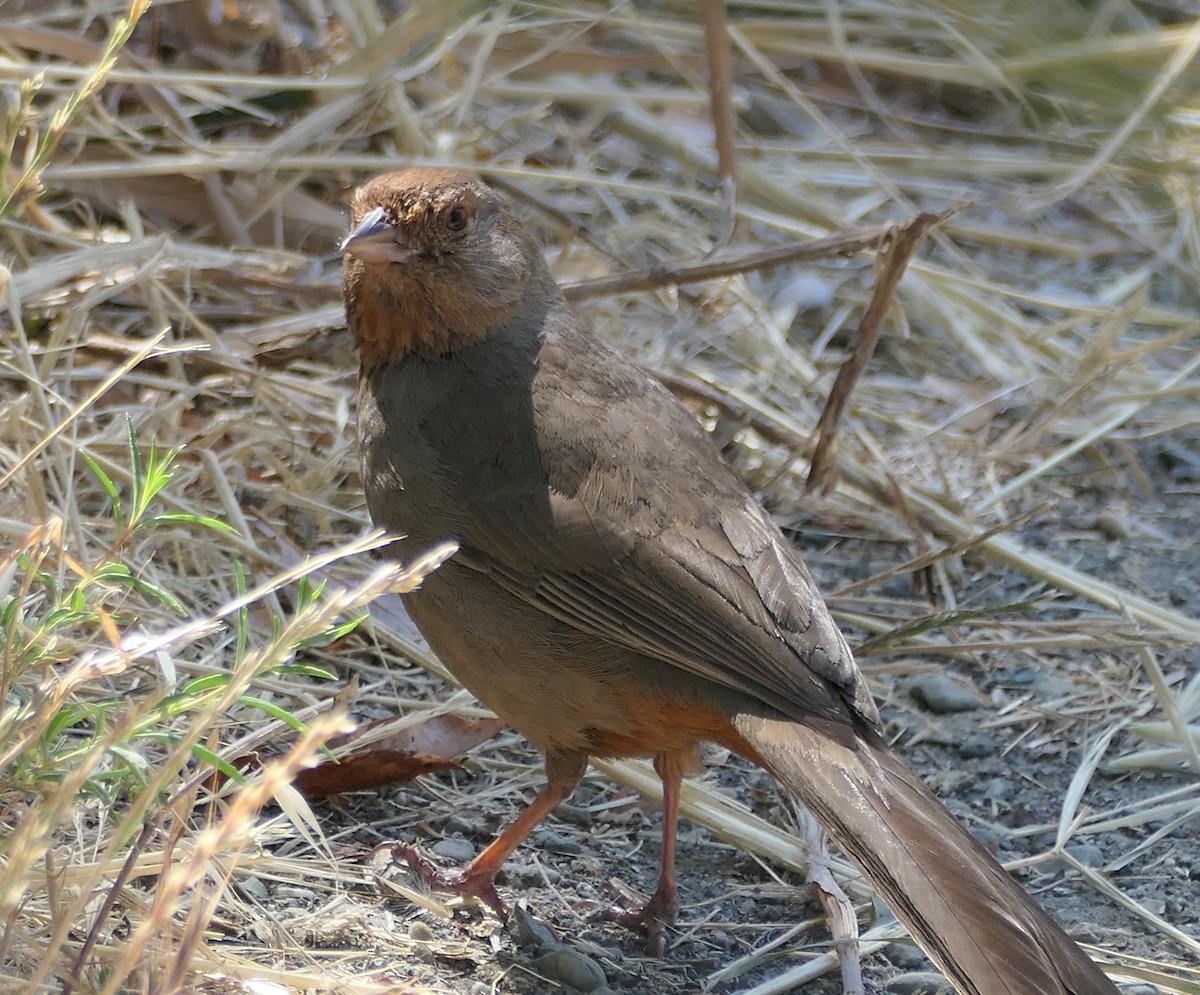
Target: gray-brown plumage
(619,592)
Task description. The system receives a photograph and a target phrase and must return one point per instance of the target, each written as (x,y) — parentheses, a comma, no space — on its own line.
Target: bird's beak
(375,240)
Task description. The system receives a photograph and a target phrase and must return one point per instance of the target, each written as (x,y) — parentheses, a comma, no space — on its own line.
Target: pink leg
(476,880)
(663,907)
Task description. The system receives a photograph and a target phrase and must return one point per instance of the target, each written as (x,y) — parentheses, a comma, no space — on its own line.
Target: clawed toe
(654,916)
(466,882)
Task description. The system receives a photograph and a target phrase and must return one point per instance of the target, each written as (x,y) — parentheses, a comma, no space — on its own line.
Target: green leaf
(272,710)
(114,495)
(132,757)
(224,766)
(112,572)
(333,633)
(137,472)
(158,593)
(201,685)
(306,670)
(243,615)
(186,518)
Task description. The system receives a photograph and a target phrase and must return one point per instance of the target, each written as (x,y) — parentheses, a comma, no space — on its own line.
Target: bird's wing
(593,494)
(728,600)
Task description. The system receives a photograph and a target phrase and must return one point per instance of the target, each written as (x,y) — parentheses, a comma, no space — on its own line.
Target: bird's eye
(456,218)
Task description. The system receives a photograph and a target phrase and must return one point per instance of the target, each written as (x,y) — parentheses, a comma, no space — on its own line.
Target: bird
(618,591)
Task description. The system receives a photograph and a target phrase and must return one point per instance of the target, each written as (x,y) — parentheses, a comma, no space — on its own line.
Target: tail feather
(973,920)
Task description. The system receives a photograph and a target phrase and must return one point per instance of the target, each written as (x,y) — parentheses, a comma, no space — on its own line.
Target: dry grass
(171,192)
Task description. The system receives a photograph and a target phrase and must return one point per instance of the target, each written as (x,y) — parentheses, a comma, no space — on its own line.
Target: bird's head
(433,261)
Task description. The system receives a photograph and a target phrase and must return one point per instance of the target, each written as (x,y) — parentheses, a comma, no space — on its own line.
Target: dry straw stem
(1024,435)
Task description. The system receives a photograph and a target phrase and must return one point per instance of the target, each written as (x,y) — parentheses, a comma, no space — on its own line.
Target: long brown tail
(973,920)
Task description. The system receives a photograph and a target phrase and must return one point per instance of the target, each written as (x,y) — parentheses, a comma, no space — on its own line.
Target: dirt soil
(1001,778)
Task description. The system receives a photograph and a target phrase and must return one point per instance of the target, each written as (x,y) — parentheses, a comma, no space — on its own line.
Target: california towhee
(618,591)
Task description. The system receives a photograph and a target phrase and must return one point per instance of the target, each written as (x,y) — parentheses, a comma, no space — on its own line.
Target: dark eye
(456,218)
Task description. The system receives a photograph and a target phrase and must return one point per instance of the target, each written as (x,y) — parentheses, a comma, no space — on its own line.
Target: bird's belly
(564,690)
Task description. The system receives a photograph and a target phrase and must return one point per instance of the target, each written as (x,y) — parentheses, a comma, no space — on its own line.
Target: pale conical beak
(375,240)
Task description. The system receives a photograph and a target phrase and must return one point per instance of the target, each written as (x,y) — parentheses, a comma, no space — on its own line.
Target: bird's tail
(972,919)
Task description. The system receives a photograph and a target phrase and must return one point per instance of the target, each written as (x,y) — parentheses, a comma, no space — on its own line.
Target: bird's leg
(662,909)
(476,880)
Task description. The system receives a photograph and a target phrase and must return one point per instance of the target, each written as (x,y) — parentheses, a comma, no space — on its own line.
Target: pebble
(453,848)
(531,875)
(1000,789)
(576,815)
(907,955)
(1087,854)
(919,983)
(295,893)
(254,889)
(571,968)
(1086,932)
(554,842)
(977,746)
(991,839)
(419,931)
(942,695)
(528,932)
(1140,988)
(722,939)
(1113,524)
(461,825)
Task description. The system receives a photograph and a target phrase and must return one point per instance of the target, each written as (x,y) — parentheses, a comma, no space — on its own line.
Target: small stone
(530,875)
(459,824)
(919,983)
(419,931)
(720,938)
(1140,988)
(254,889)
(1000,789)
(1086,932)
(452,848)
(907,956)
(1113,524)
(595,943)
(571,968)
(295,894)
(942,695)
(576,815)
(528,932)
(1087,854)
(989,838)
(977,746)
(553,842)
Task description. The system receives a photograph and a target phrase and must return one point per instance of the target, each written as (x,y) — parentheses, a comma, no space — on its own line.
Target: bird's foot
(654,916)
(469,882)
